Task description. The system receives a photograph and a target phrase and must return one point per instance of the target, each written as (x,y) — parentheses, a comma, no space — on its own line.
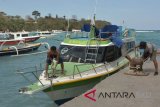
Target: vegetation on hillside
(17,23)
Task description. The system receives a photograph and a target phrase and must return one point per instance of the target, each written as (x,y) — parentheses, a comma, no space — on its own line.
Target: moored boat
(57,31)
(89,58)
(8,39)
(27,36)
(18,49)
(46,34)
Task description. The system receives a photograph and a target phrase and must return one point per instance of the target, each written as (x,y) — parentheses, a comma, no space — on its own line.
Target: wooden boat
(19,49)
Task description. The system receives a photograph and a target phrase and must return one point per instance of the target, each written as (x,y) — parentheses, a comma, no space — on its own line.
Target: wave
(144,31)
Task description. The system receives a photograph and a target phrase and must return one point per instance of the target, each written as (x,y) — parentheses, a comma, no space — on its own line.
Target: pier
(116,90)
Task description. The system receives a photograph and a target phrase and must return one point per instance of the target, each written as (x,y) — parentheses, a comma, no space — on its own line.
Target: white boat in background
(24,35)
(8,39)
(56,31)
(46,34)
(75,30)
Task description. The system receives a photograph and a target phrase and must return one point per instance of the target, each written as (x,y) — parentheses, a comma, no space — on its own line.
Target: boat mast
(92,29)
(67,35)
(95,9)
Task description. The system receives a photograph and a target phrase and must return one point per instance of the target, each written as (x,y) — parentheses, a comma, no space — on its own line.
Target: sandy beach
(146,91)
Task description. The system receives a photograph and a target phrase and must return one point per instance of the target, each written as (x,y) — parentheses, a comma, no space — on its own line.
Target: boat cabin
(27,36)
(81,48)
(6,36)
(20,34)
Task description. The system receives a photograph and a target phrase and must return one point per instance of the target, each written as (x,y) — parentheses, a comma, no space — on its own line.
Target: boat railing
(2,44)
(128,33)
(81,34)
(108,32)
(14,47)
(47,44)
(76,67)
(21,42)
(93,68)
(34,72)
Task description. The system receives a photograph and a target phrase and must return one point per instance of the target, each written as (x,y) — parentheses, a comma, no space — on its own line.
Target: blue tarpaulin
(108,28)
(116,40)
(86,28)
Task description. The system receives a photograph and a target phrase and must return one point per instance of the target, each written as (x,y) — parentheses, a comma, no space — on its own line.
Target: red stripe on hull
(31,39)
(14,42)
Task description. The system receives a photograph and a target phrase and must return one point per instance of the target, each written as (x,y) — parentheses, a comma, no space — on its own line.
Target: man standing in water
(53,53)
(150,48)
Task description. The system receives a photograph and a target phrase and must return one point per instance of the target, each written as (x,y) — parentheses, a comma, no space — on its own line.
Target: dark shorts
(49,61)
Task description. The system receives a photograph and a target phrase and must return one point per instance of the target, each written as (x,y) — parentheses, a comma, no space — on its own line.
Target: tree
(17,23)
(64,17)
(17,17)
(28,18)
(36,14)
(74,17)
(3,14)
(56,16)
(49,15)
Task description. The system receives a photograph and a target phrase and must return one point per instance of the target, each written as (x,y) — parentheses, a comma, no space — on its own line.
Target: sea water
(10,82)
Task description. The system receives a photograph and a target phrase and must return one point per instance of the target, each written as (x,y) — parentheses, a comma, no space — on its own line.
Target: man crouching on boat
(51,54)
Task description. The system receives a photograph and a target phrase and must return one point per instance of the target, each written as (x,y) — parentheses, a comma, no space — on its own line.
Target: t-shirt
(150,48)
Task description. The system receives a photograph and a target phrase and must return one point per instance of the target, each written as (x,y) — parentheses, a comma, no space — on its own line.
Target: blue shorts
(49,61)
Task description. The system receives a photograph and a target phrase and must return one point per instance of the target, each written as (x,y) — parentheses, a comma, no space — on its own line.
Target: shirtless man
(53,53)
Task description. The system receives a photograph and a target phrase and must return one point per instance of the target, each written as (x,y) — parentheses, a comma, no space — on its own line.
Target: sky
(137,14)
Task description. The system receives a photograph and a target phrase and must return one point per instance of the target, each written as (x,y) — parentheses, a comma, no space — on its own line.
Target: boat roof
(83,42)
(4,34)
(19,32)
(82,38)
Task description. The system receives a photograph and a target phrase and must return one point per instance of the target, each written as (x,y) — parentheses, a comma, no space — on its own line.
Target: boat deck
(85,71)
(76,72)
(69,68)
(68,75)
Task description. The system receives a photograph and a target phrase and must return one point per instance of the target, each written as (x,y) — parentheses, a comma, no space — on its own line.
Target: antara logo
(111,95)
(91,95)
